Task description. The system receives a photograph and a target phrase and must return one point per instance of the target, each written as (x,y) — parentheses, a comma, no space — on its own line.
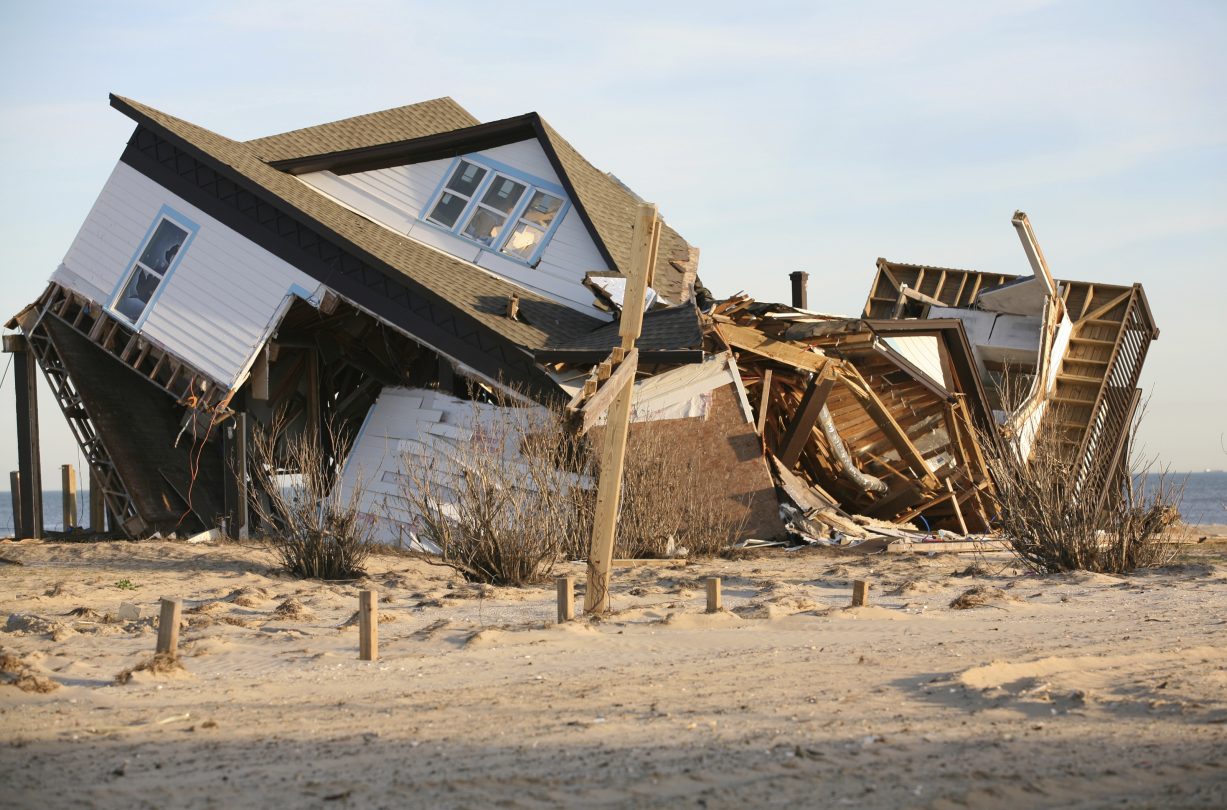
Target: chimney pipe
(799,280)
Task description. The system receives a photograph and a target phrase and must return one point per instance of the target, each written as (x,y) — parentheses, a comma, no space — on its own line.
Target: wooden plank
(958,510)
(168,627)
(801,427)
(764,401)
(368,626)
(752,340)
(644,242)
(947,547)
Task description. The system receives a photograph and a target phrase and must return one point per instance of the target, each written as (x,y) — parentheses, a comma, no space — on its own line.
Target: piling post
(15,491)
(68,486)
(368,627)
(97,503)
(566,599)
(26,383)
(860,593)
(168,627)
(714,601)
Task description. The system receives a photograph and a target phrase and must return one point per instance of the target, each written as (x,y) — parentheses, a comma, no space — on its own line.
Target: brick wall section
(730,459)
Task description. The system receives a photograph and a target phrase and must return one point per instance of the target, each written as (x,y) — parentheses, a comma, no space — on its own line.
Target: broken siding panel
(216,306)
(922,352)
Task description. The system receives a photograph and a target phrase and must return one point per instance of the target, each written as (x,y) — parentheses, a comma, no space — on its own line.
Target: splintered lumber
(752,340)
(595,406)
(644,242)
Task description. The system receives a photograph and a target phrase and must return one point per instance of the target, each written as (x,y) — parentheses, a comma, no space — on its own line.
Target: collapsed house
(369,274)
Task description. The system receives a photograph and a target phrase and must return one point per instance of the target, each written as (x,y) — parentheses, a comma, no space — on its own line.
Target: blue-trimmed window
(160,252)
(499,208)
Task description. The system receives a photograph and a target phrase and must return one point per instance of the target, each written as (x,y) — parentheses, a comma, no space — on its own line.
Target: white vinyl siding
(396,197)
(222,299)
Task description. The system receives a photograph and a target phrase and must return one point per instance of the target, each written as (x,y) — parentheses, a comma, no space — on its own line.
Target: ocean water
(1204,501)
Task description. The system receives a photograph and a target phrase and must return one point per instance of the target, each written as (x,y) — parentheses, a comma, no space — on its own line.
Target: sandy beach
(1076,690)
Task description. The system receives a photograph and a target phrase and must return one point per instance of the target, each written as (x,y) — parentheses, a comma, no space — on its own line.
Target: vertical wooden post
(714,602)
(860,593)
(97,503)
(168,627)
(958,510)
(68,486)
(15,491)
(28,459)
(368,626)
(313,397)
(762,402)
(644,243)
(566,599)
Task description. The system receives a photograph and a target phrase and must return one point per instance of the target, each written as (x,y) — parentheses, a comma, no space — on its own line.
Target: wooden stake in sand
(714,604)
(168,627)
(860,593)
(368,627)
(68,487)
(566,599)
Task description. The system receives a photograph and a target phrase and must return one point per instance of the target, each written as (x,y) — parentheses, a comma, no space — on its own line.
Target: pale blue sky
(775,136)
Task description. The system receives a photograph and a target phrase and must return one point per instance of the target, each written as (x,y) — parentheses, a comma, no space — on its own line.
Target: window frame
(165,214)
(495,169)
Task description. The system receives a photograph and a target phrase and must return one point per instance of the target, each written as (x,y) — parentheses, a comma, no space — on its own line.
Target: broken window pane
(163,246)
(136,294)
(523,241)
(485,226)
(542,209)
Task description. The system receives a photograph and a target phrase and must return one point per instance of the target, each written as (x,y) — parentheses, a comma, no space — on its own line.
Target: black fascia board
(415,150)
(493,355)
(594,356)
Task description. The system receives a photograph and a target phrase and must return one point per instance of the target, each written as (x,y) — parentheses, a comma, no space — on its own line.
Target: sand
(1070,691)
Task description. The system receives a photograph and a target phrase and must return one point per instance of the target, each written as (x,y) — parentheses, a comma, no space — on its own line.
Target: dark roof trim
(594,356)
(414,150)
(452,144)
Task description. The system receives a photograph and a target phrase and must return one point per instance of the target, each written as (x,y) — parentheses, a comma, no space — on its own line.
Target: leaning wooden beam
(644,242)
(751,340)
(802,425)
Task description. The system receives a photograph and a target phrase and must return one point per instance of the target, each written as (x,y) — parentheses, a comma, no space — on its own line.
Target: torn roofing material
(669,335)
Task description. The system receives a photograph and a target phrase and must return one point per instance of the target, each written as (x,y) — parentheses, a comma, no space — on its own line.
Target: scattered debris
(982,596)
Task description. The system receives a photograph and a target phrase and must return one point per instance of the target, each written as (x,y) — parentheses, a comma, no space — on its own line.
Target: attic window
(155,260)
(499,208)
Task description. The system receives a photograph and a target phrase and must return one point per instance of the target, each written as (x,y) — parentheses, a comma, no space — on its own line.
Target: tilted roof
(467,287)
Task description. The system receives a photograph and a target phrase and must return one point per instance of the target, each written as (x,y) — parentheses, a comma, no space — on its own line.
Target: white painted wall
(395,197)
(222,299)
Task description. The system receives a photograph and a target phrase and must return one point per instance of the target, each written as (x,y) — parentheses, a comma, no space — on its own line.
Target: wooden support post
(97,503)
(644,241)
(764,402)
(368,626)
(168,627)
(235,474)
(566,599)
(15,491)
(958,510)
(802,426)
(860,593)
(714,603)
(68,486)
(28,462)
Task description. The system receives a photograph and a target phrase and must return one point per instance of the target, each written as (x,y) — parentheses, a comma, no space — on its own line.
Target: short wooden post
(368,626)
(566,599)
(860,593)
(714,604)
(15,491)
(168,627)
(68,485)
(97,503)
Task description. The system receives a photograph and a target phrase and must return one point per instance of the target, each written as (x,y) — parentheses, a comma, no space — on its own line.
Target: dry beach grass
(1072,690)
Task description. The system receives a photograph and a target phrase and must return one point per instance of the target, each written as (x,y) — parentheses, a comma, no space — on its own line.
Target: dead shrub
(1055,523)
(500,503)
(981,595)
(318,533)
(160,664)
